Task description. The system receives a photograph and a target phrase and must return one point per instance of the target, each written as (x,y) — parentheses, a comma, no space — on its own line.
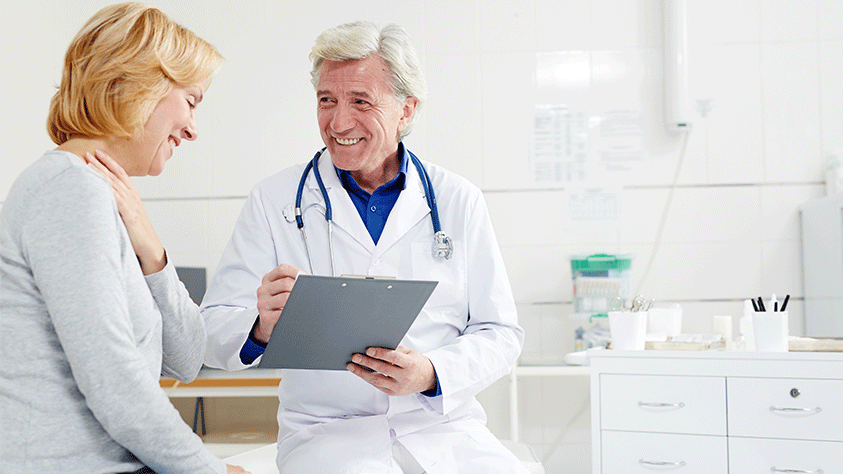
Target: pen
(761,305)
(754,306)
(784,304)
(773,302)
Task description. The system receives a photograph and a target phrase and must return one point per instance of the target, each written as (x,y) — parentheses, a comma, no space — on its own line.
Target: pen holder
(770,331)
(628,329)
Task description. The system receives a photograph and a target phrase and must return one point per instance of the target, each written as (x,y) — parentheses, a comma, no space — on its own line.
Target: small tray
(684,346)
(816,344)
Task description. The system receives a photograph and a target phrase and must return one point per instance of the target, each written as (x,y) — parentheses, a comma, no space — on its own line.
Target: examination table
(262,460)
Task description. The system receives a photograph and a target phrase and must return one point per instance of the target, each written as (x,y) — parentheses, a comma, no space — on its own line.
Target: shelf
(536,371)
(221,383)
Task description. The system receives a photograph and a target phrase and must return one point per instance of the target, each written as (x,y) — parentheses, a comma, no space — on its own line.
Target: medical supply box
(598,279)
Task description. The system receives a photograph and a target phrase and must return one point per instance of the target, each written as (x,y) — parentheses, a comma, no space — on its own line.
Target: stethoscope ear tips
(289,213)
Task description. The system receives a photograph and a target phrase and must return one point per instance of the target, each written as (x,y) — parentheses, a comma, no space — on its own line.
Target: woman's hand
(235,469)
(147,246)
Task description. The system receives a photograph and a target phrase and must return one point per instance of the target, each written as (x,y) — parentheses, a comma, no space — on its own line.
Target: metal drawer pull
(797,410)
(662,405)
(796,471)
(664,463)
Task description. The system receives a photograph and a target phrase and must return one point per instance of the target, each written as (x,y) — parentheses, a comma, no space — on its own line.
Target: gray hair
(361,39)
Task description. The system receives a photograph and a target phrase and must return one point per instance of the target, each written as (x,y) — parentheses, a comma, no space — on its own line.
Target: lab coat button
(392,433)
(376,263)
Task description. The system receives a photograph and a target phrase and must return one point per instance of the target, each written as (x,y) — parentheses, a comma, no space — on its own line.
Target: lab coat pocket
(450,293)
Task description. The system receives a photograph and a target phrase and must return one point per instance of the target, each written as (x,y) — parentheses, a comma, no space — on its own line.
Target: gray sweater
(84,336)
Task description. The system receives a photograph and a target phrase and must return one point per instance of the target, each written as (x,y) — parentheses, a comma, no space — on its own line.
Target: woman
(89,322)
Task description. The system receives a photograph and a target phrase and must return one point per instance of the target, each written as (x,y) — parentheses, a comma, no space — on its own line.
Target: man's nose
(342,119)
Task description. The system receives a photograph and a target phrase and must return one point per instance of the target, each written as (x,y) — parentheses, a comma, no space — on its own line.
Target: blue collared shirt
(374,208)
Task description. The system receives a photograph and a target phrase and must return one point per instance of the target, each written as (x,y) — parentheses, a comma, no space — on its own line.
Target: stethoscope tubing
(313,164)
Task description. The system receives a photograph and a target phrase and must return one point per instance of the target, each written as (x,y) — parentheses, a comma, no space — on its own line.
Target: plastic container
(589,331)
(598,279)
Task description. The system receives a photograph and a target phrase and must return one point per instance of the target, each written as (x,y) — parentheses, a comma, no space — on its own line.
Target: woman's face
(171,122)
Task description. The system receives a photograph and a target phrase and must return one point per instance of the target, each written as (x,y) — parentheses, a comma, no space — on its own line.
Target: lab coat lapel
(410,208)
(345,215)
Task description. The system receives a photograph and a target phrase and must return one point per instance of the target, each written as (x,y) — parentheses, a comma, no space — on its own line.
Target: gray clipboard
(327,319)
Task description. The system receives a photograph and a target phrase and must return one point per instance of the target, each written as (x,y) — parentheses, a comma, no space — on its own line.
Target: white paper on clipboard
(327,319)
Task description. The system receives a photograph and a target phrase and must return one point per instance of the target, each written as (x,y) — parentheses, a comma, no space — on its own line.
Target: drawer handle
(796,471)
(662,405)
(796,410)
(661,463)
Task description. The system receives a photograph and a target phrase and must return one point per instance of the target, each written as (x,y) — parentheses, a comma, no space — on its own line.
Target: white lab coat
(332,421)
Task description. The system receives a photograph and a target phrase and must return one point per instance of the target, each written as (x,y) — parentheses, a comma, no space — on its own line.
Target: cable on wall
(664,214)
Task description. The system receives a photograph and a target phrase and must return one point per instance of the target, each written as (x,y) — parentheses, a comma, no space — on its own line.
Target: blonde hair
(124,60)
(362,39)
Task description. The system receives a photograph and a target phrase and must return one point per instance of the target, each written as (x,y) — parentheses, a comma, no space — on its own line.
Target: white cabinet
(767,456)
(640,452)
(787,408)
(716,412)
(663,404)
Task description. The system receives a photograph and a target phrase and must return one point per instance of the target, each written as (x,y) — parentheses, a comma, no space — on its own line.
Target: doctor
(412,409)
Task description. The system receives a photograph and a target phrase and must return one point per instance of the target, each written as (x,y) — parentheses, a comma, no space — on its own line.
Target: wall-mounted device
(822,259)
(677,106)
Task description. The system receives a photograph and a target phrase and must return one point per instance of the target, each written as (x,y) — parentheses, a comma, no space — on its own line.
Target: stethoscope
(443,247)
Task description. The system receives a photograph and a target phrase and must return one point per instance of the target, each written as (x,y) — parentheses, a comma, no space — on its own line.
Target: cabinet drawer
(807,409)
(640,453)
(753,455)
(664,404)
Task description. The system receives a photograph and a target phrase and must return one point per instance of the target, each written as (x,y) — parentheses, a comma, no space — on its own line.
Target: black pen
(761,304)
(784,305)
(754,305)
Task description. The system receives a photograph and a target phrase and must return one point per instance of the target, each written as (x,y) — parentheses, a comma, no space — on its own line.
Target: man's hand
(272,296)
(399,372)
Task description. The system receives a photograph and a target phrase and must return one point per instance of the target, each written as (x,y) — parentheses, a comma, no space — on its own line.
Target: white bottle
(745,327)
(723,325)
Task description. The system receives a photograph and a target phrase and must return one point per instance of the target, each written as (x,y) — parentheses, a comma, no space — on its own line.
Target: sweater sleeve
(75,244)
(230,304)
(183,327)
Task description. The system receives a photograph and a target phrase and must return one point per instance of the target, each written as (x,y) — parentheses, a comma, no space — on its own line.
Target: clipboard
(327,319)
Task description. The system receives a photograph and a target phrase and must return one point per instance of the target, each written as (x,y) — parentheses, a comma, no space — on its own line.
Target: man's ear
(409,108)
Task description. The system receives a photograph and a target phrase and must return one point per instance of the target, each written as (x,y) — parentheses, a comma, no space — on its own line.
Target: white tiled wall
(770,69)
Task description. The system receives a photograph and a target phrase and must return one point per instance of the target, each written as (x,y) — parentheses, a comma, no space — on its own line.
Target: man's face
(359,116)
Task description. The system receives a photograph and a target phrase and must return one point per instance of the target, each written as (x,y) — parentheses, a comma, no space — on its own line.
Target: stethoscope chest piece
(443,246)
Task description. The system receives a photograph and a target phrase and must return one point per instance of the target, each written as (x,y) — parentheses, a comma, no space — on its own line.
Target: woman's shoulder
(56,175)
(56,169)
